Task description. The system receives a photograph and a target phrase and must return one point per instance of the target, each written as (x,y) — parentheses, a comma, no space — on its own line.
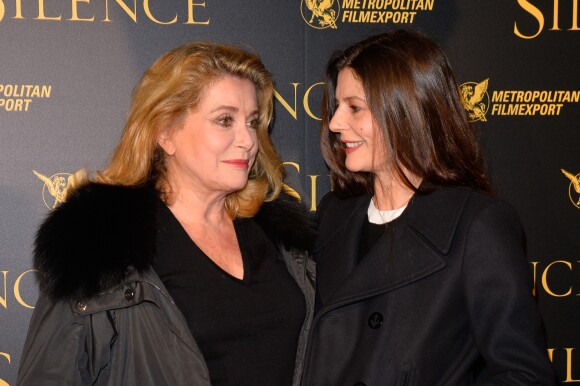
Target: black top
(246,329)
(370,234)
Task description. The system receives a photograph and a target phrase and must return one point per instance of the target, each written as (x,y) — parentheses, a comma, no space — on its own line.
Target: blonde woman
(184,264)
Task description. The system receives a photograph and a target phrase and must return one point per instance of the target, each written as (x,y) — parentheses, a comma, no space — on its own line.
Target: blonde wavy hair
(167,92)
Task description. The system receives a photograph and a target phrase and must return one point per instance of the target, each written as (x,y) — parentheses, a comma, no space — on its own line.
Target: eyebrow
(225,107)
(233,109)
(355,98)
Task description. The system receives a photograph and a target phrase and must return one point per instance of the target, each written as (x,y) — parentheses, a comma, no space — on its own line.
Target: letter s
(534,11)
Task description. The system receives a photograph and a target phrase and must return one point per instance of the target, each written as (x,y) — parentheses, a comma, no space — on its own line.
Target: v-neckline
(219,270)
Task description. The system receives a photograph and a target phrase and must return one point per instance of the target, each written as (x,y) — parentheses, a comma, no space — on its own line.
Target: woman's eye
(226,120)
(354,108)
(253,123)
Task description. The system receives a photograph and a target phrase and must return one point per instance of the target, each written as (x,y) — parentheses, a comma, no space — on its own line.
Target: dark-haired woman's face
(353,121)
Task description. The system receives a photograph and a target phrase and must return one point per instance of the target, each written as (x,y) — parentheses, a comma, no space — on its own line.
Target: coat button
(81,306)
(129,294)
(375,320)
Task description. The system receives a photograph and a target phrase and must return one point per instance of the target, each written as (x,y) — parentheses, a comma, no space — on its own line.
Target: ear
(165,140)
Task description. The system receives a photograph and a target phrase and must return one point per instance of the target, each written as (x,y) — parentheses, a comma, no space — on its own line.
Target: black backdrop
(68,68)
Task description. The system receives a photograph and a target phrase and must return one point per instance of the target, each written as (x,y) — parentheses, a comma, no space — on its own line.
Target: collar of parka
(102,232)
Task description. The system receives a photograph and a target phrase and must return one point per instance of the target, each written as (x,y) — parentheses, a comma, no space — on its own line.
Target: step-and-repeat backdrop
(67,68)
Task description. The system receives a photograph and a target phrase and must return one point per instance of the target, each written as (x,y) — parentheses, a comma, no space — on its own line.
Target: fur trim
(89,243)
(287,221)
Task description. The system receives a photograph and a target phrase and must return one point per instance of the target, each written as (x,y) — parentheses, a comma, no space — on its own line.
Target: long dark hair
(414,98)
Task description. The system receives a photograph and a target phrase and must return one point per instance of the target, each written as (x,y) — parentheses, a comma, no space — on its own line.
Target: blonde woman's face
(216,147)
(354,122)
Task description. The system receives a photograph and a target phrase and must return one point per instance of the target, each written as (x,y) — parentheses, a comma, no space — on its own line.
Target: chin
(353,167)
(237,187)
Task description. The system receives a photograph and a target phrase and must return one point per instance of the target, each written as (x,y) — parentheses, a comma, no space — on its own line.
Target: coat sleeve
(504,317)
(62,348)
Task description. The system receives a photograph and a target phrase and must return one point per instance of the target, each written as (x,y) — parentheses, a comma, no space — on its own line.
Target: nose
(337,122)
(246,137)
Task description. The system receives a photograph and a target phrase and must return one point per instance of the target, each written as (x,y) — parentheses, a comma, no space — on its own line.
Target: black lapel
(399,257)
(412,249)
(336,254)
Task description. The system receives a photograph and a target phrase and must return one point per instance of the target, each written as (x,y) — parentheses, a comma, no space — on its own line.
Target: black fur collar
(87,244)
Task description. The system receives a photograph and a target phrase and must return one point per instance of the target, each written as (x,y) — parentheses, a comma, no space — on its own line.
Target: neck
(192,206)
(391,193)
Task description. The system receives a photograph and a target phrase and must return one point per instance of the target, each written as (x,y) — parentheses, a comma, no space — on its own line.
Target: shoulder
(336,216)
(87,244)
(482,207)
(464,202)
(441,214)
(490,217)
(331,205)
(287,221)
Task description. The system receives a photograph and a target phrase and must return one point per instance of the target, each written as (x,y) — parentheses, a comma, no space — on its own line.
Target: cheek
(363,125)
(256,142)
(217,143)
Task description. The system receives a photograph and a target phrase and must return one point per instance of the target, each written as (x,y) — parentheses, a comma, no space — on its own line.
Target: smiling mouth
(352,146)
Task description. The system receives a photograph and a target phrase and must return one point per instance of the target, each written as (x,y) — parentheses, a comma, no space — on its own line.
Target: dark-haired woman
(422,274)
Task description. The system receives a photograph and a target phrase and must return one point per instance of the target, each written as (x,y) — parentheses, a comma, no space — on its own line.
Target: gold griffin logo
(320,14)
(475,99)
(574,187)
(55,188)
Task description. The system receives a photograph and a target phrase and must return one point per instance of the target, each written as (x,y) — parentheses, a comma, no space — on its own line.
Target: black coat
(443,298)
(103,316)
